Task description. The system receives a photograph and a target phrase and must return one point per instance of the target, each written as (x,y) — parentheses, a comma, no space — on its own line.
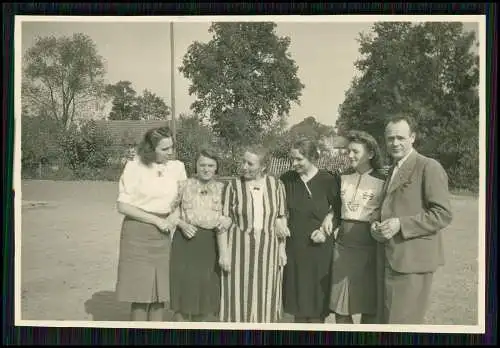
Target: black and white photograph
(322,173)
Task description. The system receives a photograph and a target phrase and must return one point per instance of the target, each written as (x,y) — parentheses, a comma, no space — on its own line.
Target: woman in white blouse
(147,189)
(357,261)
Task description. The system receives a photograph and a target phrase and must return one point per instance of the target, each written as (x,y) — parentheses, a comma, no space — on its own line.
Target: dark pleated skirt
(354,270)
(195,275)
(143,265)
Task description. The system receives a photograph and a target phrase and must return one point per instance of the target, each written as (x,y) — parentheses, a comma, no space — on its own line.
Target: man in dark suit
(414,210)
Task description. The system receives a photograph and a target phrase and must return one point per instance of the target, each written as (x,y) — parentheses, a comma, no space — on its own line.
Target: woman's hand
(282,259)
(225,262)
(163,225)
(187,229)
(318,236)
(336,233)
(282,230)
(327,224)
(224,223)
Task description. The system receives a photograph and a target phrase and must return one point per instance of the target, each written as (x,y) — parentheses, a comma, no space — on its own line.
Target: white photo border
(481,315)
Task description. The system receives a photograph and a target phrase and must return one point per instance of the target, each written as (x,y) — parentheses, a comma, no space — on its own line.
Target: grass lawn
(70,252)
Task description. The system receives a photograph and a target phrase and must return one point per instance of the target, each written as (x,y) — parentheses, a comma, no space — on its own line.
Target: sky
(325,53)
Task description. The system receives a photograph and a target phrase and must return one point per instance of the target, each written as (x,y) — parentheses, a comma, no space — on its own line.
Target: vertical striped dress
(251,292)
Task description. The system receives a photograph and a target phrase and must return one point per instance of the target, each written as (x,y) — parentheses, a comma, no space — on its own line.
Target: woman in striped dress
(255,202)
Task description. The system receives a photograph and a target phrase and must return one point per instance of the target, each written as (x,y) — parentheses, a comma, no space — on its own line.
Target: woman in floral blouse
(198,251)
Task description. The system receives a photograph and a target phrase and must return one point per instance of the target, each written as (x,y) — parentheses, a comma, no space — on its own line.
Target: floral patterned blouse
(201,203)
(361,195)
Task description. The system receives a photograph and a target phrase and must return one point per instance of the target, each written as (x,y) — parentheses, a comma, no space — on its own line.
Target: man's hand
(386,229)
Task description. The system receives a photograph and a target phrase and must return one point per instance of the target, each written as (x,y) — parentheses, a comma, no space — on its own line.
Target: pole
(172,78)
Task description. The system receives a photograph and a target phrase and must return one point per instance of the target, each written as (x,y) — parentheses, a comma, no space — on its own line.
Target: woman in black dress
(311,193)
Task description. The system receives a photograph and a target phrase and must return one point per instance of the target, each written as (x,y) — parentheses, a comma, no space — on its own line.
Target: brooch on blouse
(368,195)
(353,206)
(160,170)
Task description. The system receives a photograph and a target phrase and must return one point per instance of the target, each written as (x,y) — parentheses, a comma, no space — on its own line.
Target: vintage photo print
(322,173)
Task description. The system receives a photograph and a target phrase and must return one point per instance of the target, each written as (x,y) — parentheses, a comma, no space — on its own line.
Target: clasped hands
(385,230)
(166,225)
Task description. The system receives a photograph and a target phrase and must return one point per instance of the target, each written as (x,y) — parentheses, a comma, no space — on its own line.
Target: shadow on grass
(104,306)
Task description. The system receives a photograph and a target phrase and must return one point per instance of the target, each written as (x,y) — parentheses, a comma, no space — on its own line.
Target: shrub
(87,148)
(39,140)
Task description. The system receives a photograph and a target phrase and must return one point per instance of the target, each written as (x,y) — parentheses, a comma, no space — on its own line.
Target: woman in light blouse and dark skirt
(147,188)
(358,259)
(198,248)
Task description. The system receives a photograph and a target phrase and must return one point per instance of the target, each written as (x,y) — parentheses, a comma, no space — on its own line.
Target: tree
(307,128)
(244,79)
(430,71)
(191,135)
(310,128)
(124,101)
(39,141)
(151,107)
(61,75)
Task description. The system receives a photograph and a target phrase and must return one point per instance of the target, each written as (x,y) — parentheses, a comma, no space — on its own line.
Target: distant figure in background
(199,246)
(333,155)
(147,188)
(358,262)
(415,208)
(311,193)
(255,202)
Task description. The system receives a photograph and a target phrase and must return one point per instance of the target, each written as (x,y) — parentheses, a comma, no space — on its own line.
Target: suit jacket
(419,197)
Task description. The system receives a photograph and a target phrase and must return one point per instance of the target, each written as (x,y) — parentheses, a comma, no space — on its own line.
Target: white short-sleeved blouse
(151,188)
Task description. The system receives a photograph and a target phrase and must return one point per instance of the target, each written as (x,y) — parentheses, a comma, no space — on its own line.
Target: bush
(87,148)
(110,172)
(464,173)
(39,140)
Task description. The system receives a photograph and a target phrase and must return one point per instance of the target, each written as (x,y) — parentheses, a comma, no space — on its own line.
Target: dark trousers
(406,296)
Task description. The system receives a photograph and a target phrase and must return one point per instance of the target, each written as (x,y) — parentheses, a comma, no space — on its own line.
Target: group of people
(309,243)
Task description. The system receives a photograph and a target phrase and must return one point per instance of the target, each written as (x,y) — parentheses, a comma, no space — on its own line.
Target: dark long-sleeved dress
(307,275)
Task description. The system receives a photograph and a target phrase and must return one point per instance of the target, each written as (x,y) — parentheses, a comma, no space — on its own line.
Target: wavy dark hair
(361,137)
(208,152)
(412,123)
(147,146)
(307,148)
